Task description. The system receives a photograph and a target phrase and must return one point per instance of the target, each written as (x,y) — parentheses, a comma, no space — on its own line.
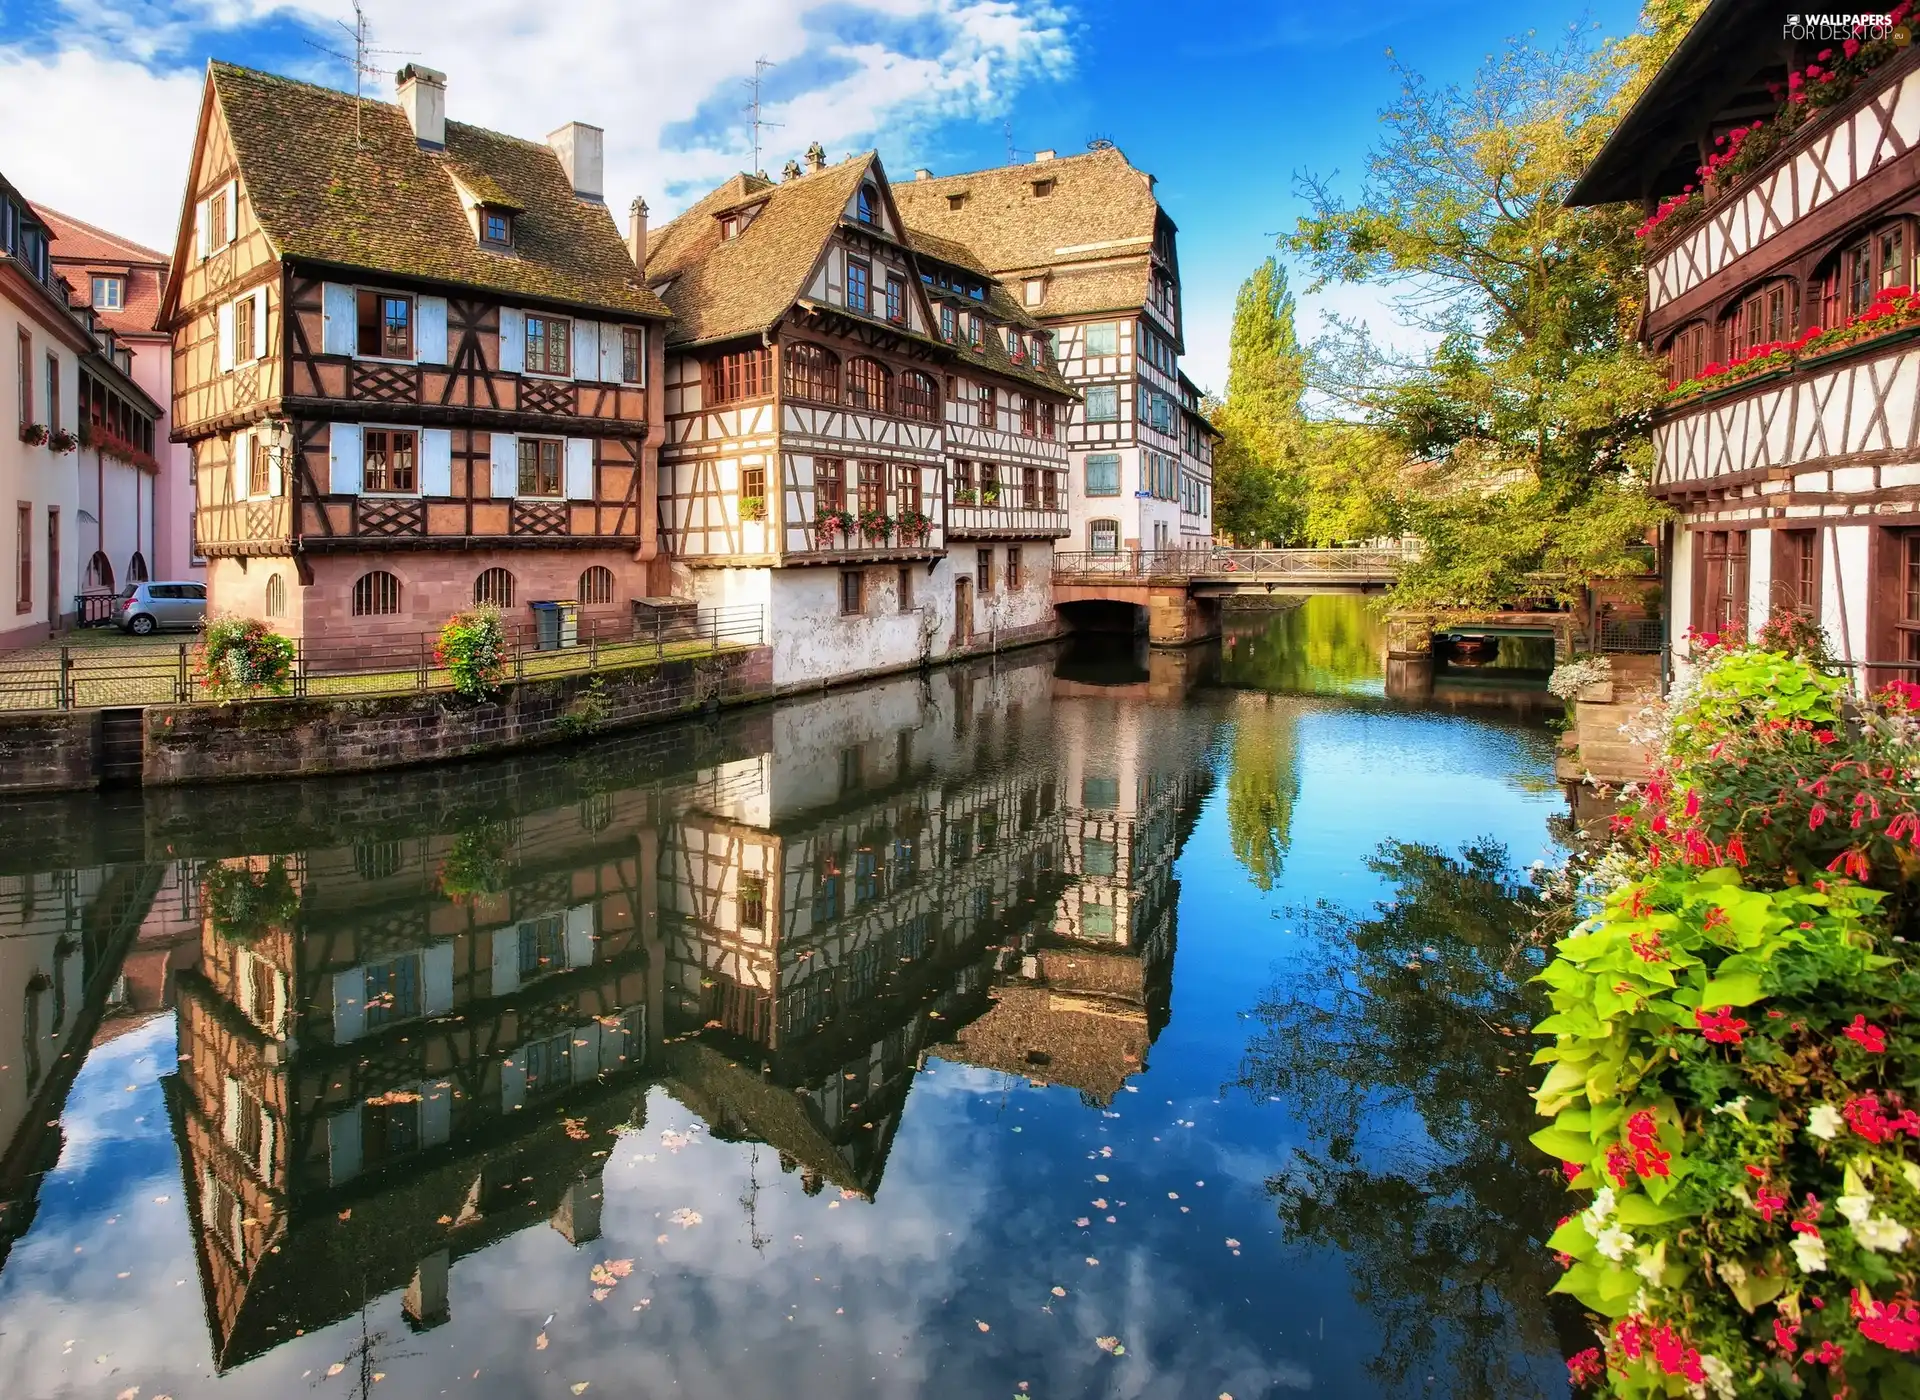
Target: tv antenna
(1006,129)
(360,32)
(754,106)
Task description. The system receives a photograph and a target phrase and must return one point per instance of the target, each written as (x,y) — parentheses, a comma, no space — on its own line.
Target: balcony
(243,528)
(1004,518)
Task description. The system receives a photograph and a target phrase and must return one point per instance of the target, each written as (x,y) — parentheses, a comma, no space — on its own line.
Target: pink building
(142,524)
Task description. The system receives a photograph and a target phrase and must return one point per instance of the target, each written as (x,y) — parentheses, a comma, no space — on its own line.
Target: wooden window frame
(23,546)
(860,275)
(853,592)
(866,378)
(54,406)
(810,372)
(896,300)
(24,342)
(871,486)
(1103,390)
(596,585)
(1050,489)
(1796,571)
(377,593)
(539,466)
(739,376)
(487,218)
(1029,487)
(1763,315)
(752,900)
(906,489)
(276,595)
(488,587)
(962,475)
(259,466)
(1049,422)
(903,589)
(753,483)
(866,205)
(986,406)
(948,329)
(394,477)
(371,317)
(1013,568)
(983,571)
(1688,352)
(1721,580)
(1029,416)
(919,396)
(1105,458)
(555,357)
(117,301)
(633,355)
(829,483)
(1096,528)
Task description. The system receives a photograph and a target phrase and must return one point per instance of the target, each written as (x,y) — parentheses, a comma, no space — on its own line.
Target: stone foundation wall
(291,738)
(48,751)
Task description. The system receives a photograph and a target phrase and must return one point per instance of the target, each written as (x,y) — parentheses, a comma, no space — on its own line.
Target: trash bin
(556,624)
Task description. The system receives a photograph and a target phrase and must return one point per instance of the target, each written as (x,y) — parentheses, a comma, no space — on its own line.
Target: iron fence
(104,676)
(1638,636)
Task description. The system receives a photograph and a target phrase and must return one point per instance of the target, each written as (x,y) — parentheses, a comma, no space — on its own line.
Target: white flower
(1824,1122)
(1882,1233)
(1613,1243)
(1810,1253)
(1719,1375)
(1595,1215)
(1911,1170)
(1737,1107)
(1650,1269)
(1855,1208)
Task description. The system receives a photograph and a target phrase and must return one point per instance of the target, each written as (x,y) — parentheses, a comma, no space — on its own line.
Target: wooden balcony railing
(1005,519)
(240,527)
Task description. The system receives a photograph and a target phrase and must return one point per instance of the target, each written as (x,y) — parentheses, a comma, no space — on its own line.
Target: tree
(1530,414)
(1258,494)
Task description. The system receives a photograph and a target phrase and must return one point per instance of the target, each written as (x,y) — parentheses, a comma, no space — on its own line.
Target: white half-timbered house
(1797,479)
(810,386)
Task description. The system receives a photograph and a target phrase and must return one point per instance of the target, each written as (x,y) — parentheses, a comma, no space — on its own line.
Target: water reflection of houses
(379,1076)
(842,908)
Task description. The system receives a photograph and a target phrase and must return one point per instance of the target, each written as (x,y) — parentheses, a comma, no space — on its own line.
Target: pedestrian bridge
(1181,589)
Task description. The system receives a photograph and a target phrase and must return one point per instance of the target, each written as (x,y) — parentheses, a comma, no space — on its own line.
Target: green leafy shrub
(476,864)
(473,647)
(1734,1080)
(242,903)
(239,657)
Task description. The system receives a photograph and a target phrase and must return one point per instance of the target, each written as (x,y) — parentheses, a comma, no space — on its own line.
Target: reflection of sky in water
(974,1220)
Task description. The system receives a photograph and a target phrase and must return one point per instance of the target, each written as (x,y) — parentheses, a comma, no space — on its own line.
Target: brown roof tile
(382,203)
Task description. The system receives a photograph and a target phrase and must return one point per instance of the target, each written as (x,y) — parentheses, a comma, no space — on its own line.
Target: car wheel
(142,625)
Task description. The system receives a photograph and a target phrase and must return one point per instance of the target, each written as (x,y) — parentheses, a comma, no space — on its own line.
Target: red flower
(1825,736)
(1617,1164)
(1817,817)
(1570,1170)
(1673,1355)
(1769,1203)
(1585,1367)
(1736,850)
(1693,803)
(1866,1035)
(1894,1324)
(1757,1173)
(1720,1026)
(1631,1333)
(1784,1332)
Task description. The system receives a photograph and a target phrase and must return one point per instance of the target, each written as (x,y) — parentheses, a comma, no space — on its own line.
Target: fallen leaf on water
(600,1294)
(1059,1292)
(1099,1202)
(1111,1345)
(1082,1222)
(540,1342)
(444,1220)
(1233,1243)
(347,1214)
(336,1369)
(659,1239)
(579,1386)
(379,1376)
(685,1217)
(1173,1195)
(129,1393)
(159,1200)
(981,1325)
(1091,1260)
(1101,1179)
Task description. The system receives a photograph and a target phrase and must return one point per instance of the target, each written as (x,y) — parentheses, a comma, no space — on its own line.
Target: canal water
(1086,1023)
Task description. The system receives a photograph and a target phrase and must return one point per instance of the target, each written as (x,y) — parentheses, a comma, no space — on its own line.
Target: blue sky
(1223,100)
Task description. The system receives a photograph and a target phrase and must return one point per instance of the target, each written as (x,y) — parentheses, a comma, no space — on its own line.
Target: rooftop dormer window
(956,202)
(730,227)
(1042,188)
(496,228)
(109,293)
(866,209)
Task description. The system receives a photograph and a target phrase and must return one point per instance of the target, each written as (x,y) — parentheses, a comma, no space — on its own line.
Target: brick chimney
(1039,156)
(423,97)
(637,232)
(816,158)
(922,173)
(582,152)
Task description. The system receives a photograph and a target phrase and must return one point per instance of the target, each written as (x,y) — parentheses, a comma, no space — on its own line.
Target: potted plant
(990,495)
(830,523)
(875,525)
(964,495)
(476,864)
(243,903)
(34,434)
(473,646)
(916,526)
(239,658)
(753,507)
(60,440)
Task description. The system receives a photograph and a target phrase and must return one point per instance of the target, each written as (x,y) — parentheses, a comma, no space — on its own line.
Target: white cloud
(663,77)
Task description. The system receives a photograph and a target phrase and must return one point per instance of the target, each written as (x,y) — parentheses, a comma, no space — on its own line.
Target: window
(1721,587)
(596,585)
(743,374)
(919,397)
(896,299)
(810,371)
(1869,263)
(946,323)
(1029,416)
(753,901)
(1036,291)
(549,345)
(729,227)
(244,350)
(386,325)
(393,990)
(753,488)
(984,401)
(376,595)
(850,599)
(1046,420)
(543,946)
(26,378)
(1907,625)
(1103,338)
(109,293)
(906,490)
(259,463)
(218,235)
(633,355)
(903,590)
(1013,567)
(1762,317)
(868,385)
(99,574)
(1097,857)
(1103,403)
(1050,486)
(1042,188)
(276,596)
(391,455)
(496,227)
(1016,348)
(983,571)
(1687,353)
(956,202)
(867,205)
(1103,474)
(550,1065)
(859,285)
(989,484)
(494,588)
(1103,536)
(53,391)
(829,484)
(1796,571)
(137,571)
(539,466)
(23,551)
(873,486)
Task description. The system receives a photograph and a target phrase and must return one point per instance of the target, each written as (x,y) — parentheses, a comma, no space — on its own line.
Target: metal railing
(1234,564)
(1639,636)
(134,674)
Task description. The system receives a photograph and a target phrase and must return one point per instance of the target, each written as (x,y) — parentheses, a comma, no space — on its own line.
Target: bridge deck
(1232,567)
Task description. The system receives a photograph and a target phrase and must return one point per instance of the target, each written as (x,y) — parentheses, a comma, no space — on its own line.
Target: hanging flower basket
(473,647)
(476,865)
(876,527)
(243,903)
(916,527)
(241,659)
(829,525)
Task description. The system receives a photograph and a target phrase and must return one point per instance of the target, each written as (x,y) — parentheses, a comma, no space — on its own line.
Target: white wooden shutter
(436,462)
(201,231)
(343,1146)
(224,318)
(585,1059)
(436,1112)
(586,350)
(242,459)
(345,460)
(267,1130)
(580,935)
(276,473)
(610,354)
(579,469)
(506,466)
(230,1123)
(513,340)
(349,1005)
(260,323)
(436,980)
(232,195)
(513,1081)
(430,335)
(506,961)
(337,324)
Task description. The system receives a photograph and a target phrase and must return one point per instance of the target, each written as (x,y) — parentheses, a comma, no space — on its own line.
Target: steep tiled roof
(80,250)
(992,354)
(1099,208)
(729,287)
(382,203)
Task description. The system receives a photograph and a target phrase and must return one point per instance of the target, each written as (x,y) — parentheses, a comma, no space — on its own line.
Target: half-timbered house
(819,384)
(1084,246)
(415,362)
(1779,167)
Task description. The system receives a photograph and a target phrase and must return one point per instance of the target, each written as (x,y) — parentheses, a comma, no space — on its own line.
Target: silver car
(154,607)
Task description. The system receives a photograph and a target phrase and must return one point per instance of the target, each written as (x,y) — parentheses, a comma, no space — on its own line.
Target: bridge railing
(1231,564)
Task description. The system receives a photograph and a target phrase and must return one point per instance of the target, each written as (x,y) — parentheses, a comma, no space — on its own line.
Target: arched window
(1687,353)
(1866,264)
(376,594)
(1103,536)
(867,209)
(99,573)
(919,397)
(811,372)
(1762,315)
(276,596)
(869,385)
(494,588)
(137,568)
(596,585)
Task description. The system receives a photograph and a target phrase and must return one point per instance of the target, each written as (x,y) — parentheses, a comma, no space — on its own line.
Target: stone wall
(48,751)
(289,738)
